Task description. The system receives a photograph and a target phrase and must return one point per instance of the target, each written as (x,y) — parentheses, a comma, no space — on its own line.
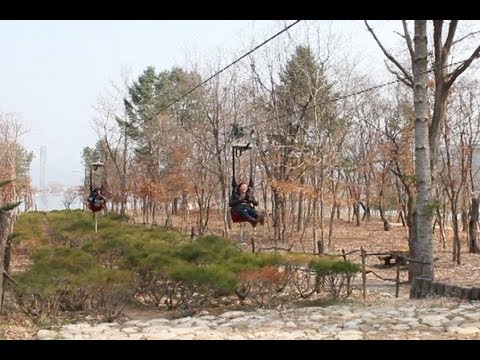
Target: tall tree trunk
(283,219)
(441,227)
(277,215)
(315,217)
(410,218)
(366,207)
(402,213)
(356,212)
(226,212)
(456,236)
(422,246)
(440,220)
(300,210)
(472,227)
(438,117)
(412,235)
(366,211)
(154,213)
(330,224)
(386,225)
(316,244)
(464,214)
(135,208)
(322,203)
(175,202)
(203,202)
(5,229)
(185,210)
(123,181)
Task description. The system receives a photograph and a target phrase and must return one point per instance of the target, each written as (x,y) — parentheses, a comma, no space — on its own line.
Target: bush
(83,270)
(110,251)
(336,275)
(52,283)
(325,266)
(109,290)
(214,277)
(265,286)
(206,250)
(243,262)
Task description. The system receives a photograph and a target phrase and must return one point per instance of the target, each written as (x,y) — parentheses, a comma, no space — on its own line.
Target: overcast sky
(51,71)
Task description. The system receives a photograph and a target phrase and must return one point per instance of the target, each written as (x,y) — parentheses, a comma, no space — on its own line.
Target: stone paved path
(387,318)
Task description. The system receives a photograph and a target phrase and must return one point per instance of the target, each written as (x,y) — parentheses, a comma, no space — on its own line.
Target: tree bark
(386,225)
(300,211)
(472,227)
(422,245)
(277,200)
(5,229)
(123,179)
(356,212)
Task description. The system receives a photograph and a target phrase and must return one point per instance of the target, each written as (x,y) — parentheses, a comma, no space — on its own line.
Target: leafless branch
(465,37)
(461,68)
(451,33)
(399,76)
(407,38)
(387,54)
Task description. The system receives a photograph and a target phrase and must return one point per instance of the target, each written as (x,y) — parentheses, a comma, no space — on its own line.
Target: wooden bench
(386,258)
(396,255)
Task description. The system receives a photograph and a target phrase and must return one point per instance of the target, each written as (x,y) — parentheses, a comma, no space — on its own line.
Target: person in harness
(243,203)
(96,199)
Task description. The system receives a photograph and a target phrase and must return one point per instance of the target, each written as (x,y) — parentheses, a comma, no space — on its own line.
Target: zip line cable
(372,88)
(228,66)
(369,89)
(233,63)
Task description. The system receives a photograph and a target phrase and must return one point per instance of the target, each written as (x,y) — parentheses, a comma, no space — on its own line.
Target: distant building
(43,168)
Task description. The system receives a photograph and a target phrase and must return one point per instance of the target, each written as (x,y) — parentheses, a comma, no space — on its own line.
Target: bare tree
(111,127)
(421,247)
(69,197)
(11,130)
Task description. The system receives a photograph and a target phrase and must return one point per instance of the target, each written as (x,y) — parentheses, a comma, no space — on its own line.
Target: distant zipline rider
(95,201)
(242,202)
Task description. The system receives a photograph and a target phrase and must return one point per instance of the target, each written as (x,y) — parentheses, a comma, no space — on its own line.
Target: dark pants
(246,212)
